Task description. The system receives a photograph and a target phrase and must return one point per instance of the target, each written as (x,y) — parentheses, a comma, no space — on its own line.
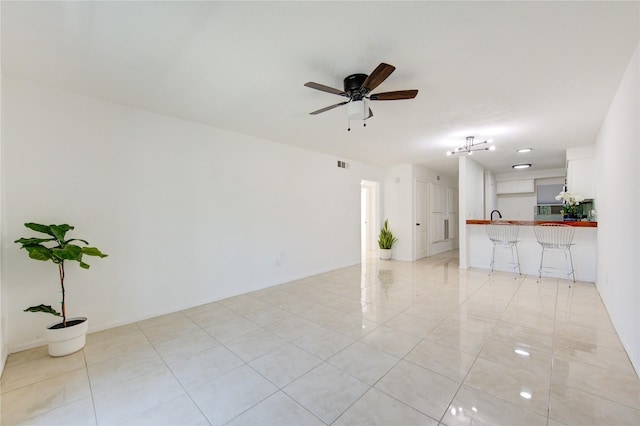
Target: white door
(438,212)
(421,216)
(452,206)
(369,196)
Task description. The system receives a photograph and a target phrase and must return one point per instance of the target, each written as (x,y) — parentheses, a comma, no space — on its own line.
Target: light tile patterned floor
(384,343)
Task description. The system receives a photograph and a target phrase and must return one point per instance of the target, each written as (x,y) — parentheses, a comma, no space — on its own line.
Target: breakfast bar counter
(584,249)
(578,224)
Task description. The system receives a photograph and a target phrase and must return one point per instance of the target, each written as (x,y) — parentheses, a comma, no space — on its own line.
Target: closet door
(438,215)
(452,212)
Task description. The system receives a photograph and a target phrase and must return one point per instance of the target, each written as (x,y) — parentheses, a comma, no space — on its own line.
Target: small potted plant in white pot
(69,335)
(386,240)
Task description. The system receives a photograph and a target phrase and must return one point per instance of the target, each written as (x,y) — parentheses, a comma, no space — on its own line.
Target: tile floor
(384,343)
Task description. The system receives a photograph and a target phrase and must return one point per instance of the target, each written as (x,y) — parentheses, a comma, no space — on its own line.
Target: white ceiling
(526,74)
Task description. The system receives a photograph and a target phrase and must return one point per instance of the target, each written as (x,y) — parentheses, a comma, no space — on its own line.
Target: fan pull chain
(364,113)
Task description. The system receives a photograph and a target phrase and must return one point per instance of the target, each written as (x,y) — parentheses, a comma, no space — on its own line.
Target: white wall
(516,206)
(471,205)
(4,350)
(188,213)
(618,197)
(490,194)
(428,175)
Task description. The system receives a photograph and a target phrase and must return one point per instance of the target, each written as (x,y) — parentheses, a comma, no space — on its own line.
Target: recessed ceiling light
(525,150)
(521,166)
(526,395)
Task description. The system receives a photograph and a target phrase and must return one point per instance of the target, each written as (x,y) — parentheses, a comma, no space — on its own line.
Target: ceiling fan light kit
(358,87)
(470,145)
(357,110)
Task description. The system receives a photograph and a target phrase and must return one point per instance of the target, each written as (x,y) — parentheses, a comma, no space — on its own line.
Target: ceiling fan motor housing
(352,85)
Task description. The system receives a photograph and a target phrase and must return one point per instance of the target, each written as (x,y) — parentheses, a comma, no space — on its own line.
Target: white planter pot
(385,254)
(65,341)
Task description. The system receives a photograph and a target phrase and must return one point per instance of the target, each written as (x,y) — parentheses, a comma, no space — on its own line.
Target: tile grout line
(441,420)
(93,402)
(553,344)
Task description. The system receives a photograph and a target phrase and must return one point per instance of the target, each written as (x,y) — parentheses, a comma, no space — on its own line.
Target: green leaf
(93,251)
(39,252)
(69,252)
(32,241)
(43,308)
(59,231)
(62,251)
(45,229)
(386,238)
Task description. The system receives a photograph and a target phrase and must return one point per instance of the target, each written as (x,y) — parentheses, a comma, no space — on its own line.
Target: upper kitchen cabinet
(522,186)
(581,172)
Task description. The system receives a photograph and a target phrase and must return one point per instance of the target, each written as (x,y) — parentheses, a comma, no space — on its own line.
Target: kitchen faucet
(496,211)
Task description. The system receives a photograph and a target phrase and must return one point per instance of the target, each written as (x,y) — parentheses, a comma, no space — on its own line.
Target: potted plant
(570,204)
(386,241)
(69,335)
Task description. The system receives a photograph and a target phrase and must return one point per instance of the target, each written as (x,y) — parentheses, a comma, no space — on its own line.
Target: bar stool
(504,235)
(555,237)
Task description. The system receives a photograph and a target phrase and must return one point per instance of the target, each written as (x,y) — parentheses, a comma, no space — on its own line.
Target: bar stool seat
(504,235)
(555,237)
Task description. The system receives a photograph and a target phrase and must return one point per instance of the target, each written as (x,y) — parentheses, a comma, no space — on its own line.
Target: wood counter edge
(533,222)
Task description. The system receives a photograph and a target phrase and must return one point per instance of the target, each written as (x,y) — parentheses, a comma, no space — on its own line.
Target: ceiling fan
(358,87)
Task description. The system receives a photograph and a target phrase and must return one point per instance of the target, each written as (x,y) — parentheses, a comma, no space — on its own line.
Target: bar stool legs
(504,235)
(556,237)
(515,258)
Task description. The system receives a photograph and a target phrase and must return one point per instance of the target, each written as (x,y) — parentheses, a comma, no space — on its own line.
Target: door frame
(426,220)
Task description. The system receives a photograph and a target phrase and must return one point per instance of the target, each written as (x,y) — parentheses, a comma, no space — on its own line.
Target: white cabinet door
(452,207)
(437,226)
(580,177)
(443,221)
(438,198)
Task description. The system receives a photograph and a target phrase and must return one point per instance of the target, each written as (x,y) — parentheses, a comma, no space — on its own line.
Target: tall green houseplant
(57,249)
(386,238)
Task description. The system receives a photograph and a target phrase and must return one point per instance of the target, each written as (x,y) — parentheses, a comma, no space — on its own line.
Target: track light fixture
(470,145)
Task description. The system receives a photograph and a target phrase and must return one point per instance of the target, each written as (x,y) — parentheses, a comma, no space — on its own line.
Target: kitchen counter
(583,251)
(533,222)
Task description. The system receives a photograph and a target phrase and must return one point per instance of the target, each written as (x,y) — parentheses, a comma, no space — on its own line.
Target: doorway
(422,219)
(369,211)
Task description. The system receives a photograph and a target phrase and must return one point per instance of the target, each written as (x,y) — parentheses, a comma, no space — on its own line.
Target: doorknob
(417,224)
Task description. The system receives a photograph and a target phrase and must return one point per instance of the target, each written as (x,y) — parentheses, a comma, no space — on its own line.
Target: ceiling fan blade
(324,88)
(378,75)
(328,108)
(393,96)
